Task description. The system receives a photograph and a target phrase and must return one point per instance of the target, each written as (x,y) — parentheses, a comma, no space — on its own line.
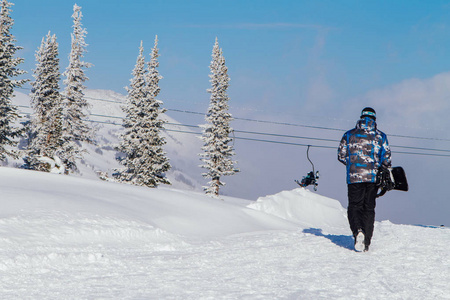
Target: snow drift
(36,195)
(305,208)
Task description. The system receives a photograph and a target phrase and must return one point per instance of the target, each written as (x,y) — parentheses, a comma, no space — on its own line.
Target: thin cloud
(258,26)
(415,102)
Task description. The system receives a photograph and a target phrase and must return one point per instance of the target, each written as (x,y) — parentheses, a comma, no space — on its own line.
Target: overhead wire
(274,135)
(276,123)
(304,145)
(313,138)
(290,143)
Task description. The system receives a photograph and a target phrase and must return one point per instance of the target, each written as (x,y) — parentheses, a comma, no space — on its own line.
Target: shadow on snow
(344,241)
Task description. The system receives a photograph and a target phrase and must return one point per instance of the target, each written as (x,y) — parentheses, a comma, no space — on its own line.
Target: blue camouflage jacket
(363,149)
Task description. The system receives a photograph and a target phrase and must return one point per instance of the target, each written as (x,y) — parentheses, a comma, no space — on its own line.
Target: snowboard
(399,178)
(392,179)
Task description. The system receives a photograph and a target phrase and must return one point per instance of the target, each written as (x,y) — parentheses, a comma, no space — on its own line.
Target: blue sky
(275,50)
(313,62)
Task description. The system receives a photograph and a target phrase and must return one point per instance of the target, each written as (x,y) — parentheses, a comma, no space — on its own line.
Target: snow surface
(65,237)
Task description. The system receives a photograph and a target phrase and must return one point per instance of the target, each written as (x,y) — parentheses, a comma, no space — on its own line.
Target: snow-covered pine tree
(158,163)
(46,125)
(218,152)
(8,70)
(130,139)
(76,129)
(145,161)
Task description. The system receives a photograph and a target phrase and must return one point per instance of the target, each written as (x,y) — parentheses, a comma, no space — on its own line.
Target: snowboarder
(364,150)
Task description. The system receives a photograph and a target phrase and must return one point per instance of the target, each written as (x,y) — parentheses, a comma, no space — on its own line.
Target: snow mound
(305,208)
(52,207)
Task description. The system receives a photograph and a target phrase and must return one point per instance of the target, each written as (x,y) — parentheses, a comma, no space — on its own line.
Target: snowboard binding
(311,178)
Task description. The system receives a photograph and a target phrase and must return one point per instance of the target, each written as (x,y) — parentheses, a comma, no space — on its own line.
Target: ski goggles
(368,114)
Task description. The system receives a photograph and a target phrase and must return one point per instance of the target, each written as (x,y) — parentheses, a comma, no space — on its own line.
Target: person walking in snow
(364,150)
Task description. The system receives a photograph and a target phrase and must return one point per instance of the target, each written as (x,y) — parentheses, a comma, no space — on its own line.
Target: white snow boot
(359,241)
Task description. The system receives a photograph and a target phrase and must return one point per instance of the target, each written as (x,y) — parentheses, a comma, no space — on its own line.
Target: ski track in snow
(52,251)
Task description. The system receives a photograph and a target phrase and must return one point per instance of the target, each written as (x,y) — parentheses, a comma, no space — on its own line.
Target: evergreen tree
(46,101)
(217,156)
(145,161)
(158,163)
(131,138)
(8,70)
(75,127)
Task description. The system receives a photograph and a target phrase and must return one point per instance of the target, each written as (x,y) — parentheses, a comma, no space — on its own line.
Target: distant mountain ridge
(105,114)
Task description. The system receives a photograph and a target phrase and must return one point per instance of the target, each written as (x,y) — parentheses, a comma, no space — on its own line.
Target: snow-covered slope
(105,114)
(167,210)
(65,237)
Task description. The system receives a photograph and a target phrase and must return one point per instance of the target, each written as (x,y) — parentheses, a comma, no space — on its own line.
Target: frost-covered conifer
(130,138)
(218,152)
(158,163)
(46,124)
(8,70)
(75,126)
(145,161)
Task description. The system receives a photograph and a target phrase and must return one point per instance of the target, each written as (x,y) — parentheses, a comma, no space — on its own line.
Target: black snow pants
(361,208)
